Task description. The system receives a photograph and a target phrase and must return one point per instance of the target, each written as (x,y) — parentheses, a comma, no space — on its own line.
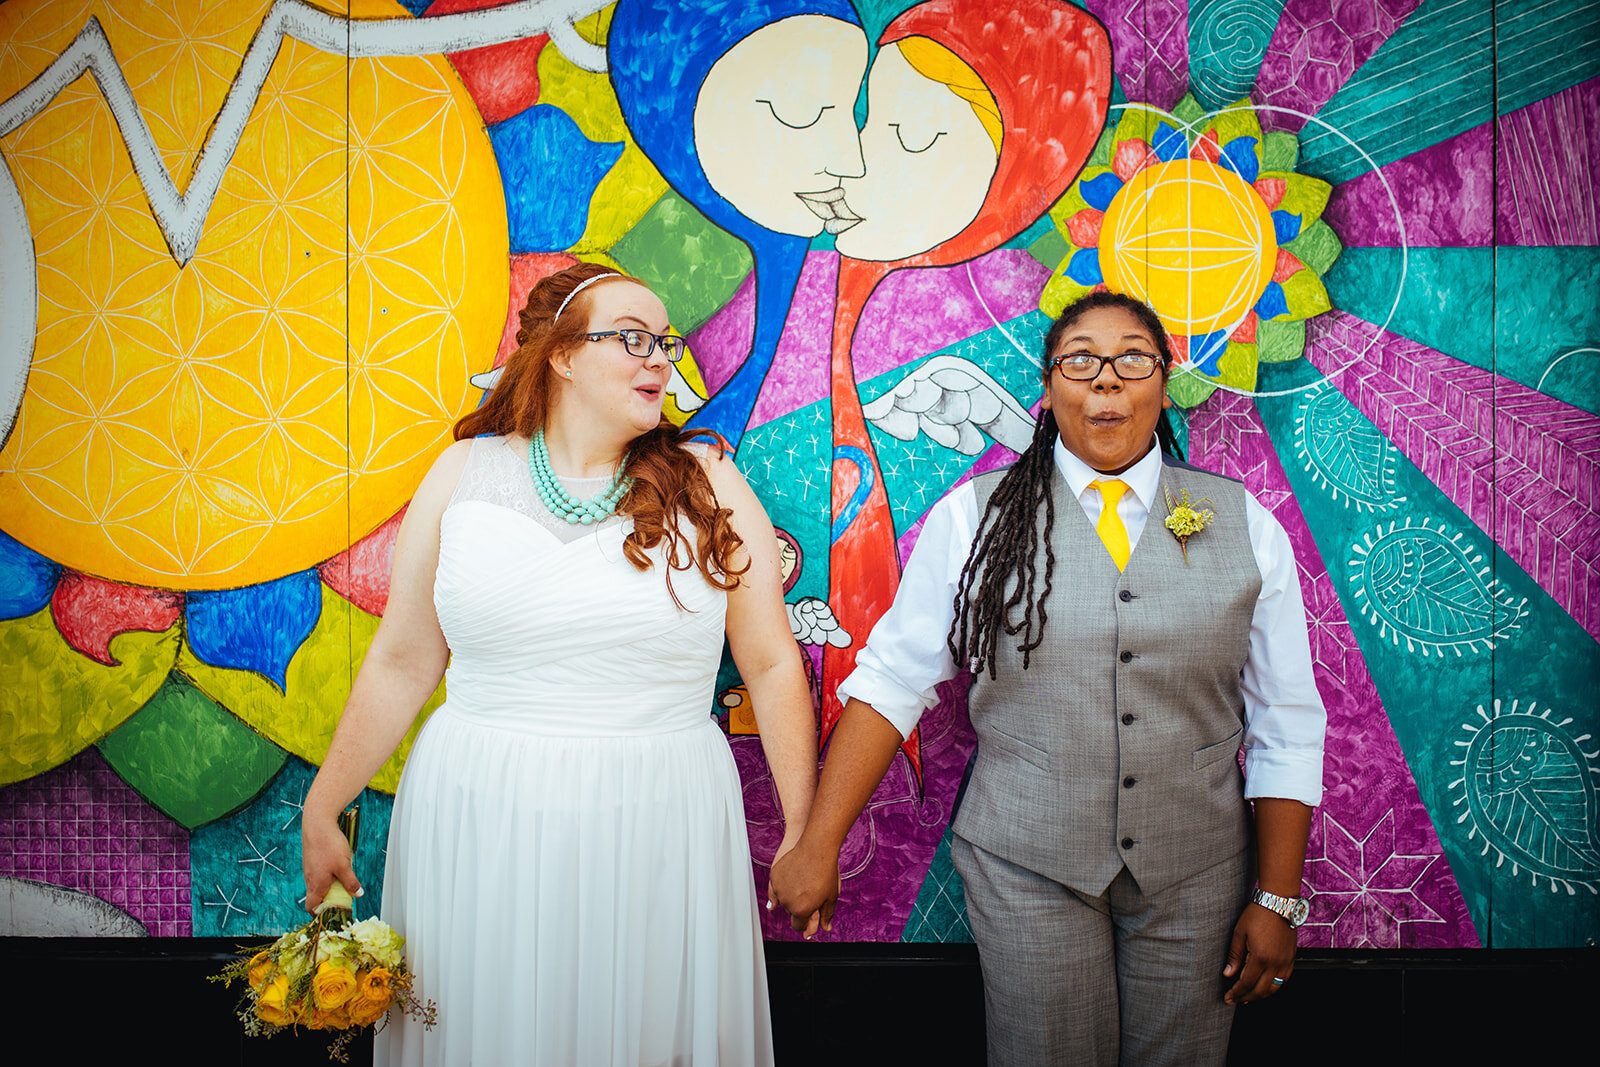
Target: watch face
(1299,912)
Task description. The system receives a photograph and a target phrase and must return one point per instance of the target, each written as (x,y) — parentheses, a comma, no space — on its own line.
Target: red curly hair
(668,481)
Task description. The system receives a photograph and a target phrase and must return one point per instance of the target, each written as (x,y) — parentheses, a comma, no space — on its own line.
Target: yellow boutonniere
(1185,519)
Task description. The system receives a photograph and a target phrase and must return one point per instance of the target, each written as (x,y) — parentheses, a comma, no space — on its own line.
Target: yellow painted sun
(254,412)
(1191,239)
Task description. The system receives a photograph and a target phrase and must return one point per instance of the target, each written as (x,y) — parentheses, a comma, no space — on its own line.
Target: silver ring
(1277,981)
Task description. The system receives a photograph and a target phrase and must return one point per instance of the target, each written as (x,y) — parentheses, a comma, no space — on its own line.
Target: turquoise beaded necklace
(562,503)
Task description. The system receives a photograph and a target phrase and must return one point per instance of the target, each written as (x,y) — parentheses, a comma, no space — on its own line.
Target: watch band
(1294,910)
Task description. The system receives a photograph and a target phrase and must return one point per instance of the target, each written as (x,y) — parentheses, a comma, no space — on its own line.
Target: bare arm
(765,651)
(401,670)
(1264,944)
(806,881)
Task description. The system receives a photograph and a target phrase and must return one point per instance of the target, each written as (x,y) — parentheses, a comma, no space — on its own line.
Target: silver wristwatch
(1293,909)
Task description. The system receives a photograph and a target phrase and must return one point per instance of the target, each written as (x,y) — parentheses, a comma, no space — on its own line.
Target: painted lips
(829,206)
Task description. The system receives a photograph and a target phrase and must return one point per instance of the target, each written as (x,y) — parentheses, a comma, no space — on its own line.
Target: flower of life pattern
(245,416)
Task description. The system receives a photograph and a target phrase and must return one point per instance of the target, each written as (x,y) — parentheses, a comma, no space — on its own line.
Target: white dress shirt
(906,656)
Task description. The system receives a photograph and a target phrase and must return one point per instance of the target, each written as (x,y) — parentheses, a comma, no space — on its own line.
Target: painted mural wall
(256,258)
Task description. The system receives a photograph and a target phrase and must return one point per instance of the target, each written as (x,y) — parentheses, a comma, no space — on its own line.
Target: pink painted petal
(1288,264)
(1271,191)
(89,612)
(360,573)
(1084,228)
(1133,156)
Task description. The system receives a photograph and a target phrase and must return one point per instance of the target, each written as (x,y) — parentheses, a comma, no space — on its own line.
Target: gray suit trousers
(1120,978)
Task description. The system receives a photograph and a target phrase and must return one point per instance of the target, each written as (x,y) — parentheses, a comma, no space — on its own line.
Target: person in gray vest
(1123,894)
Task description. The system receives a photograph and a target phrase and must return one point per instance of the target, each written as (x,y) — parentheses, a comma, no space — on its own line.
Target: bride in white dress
(567,854)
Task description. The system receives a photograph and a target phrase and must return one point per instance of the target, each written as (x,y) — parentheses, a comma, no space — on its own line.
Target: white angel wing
(951,399)
(813,623)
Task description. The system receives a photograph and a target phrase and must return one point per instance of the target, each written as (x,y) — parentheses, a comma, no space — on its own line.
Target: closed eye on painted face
(774,124)
(929,163)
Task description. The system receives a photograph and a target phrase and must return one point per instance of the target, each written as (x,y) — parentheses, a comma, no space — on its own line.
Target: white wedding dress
(568,859)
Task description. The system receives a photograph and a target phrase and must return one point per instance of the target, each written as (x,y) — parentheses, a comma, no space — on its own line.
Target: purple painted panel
(1149,47)
(915,312)
(886,855)
(1377,875)
(82,827)
(1522,466)
(1549,152)
(1445,195)
(1316,48)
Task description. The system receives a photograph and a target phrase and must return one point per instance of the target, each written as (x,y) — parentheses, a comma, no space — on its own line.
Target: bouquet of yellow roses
(331,974)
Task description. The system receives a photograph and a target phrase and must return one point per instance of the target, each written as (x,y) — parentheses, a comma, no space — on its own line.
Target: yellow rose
(260,964)
(270,1006)
(332,986)
(374,998)
(338,1019)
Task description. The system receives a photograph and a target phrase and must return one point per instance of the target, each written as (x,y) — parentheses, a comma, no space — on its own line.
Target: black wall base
(92,1000)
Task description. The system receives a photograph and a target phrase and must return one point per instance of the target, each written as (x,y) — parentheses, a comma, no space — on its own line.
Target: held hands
(1262,949)
(805,882)
(325,858)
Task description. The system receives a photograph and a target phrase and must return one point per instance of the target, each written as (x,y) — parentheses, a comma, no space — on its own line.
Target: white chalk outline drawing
(1336,484)
(1561,358)
(1473,567)
(1186,128)
(181,216)
(1479,812)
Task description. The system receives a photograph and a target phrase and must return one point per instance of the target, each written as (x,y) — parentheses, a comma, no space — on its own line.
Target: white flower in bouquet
(378,940)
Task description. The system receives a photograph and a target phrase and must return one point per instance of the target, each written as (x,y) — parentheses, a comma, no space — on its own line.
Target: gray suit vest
(1119,744)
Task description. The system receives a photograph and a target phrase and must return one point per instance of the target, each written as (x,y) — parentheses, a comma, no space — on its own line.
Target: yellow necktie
(1110,528)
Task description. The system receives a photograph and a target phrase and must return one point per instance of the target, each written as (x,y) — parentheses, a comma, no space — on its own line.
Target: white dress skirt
(567,856)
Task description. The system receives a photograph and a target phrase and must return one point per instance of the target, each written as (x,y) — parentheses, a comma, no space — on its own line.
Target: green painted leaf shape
(1187,389)
(303,716)
(189,757)
(1280,150)
(55,701)
(1237,121)
(1280,341)
(1302,195)
(690,262)
(1306,296)
(1317,246)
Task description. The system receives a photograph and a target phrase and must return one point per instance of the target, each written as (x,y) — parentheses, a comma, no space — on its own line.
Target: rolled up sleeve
(1285,721)
(906,657)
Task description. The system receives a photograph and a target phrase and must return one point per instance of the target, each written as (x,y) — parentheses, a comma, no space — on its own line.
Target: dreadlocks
(1002,569)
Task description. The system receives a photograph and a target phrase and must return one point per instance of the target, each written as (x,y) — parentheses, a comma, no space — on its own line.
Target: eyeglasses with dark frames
(1086,366)
(641,343)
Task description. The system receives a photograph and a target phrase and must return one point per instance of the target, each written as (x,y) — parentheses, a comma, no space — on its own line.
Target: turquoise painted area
(1534,790)
(939,913)
(244,871)
(786,462)
(1429,82)
(1446,296)
(1227,39)
(1547,304)
(1514,311)
(1543,47)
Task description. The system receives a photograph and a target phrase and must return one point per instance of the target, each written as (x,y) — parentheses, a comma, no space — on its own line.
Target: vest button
(1126,657)
(1127,720)
(1128,782)
(1127,842)
(1124,596)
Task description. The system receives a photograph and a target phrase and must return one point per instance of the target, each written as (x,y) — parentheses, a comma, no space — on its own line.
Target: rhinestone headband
(581,286)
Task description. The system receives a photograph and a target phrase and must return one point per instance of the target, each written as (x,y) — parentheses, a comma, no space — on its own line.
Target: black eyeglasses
(1086,366)
(642,342)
